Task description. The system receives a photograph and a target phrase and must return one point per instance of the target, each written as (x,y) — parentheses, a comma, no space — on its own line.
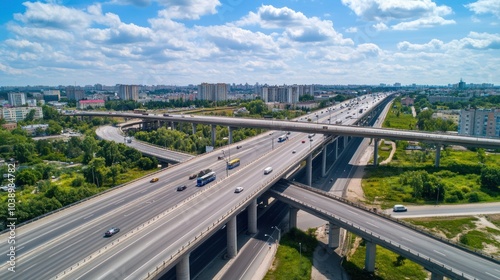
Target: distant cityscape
(25,100)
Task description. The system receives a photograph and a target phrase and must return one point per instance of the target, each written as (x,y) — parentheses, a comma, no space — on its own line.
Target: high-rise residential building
(285,93)
(212,92)
(16,114)
(479,122)
(74,93)
(17,98)
(51,95)
(128,92)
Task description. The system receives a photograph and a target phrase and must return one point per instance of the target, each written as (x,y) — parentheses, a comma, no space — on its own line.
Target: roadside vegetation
(294,261)
(52,173)
(388,265)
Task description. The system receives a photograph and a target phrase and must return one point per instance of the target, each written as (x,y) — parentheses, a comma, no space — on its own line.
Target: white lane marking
(119,201)
(492,274)
(407,239)
(439,253)
(88,216)
(353,212)
(372,224)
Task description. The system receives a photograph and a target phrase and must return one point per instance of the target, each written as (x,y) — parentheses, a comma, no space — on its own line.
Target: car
(303,141)
(155,179)
(268,170)
(181,188)
(239,147)
(220,157)
(112,231)
(293,152)
(238,189)
(193,176)
(399,208)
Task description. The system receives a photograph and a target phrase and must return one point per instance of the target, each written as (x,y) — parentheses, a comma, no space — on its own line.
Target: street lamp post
(300,258)
(279,232)
(272,140)
(310,143)
(267,235)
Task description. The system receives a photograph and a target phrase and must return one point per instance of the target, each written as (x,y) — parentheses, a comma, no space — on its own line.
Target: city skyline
(184,42)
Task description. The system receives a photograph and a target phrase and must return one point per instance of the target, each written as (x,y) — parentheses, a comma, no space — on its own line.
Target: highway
(55,243)
(112,133)
(377,229)
(321,127)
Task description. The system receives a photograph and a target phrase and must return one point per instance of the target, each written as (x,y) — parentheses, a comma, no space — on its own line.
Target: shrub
(452,198)
(474,197)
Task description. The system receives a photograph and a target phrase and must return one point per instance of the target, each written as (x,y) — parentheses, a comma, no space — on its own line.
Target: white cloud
(434,44)
(189,9)
(410,14)
(297,27)
(474,40)
(351,30)
(53,16)
(380,26)
(422,22)
(485,7)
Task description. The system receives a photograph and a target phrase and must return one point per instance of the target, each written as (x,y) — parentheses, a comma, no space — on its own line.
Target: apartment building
(479,122)
(212,92)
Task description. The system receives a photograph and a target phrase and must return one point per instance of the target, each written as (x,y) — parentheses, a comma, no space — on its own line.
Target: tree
(28,177)
(490,178)
(24,151)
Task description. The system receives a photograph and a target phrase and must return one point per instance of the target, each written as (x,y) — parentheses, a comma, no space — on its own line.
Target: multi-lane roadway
(58,242)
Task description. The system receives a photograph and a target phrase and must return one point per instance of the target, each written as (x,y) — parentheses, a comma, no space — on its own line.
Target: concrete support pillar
(337,148)
(194,128)
(375,152)
(182,268)
(292,221)
(172,125)
(333,235)
(345,142)
(438,155)
(436,276)
(213,135)
(309,170)
(370,256)
(252,216)
(323,162)
(230,136)
(232,246)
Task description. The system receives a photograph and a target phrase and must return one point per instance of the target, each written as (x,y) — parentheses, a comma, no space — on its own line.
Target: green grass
(458,172)
(397,119)
(450,226)
(387,266)
(288,263)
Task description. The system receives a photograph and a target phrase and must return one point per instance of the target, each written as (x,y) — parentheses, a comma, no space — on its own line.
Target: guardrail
(190,244)
(424,260)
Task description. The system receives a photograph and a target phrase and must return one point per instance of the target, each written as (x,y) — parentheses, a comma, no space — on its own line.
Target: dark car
(111,232)
(193,176)
(239,147)
(181,188)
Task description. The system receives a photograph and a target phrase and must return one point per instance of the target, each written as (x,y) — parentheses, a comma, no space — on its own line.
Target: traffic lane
(417,242)
(244,265)
(221,196)
(447,210)
(140,191)
(62,257)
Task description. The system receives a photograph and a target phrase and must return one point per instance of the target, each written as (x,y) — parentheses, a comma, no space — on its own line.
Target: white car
(238,189)
(399,208)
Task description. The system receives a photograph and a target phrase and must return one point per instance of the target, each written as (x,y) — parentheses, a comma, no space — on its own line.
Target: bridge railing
(373,211)
(426,261)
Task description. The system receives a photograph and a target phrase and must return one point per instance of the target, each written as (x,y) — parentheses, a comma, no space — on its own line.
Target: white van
(399,208)
(268,170)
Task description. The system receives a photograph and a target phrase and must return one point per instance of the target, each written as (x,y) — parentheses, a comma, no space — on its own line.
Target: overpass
(439,256)
(112,133)
(160,227)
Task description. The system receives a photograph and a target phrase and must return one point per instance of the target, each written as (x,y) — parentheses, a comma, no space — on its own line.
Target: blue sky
(180,42)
